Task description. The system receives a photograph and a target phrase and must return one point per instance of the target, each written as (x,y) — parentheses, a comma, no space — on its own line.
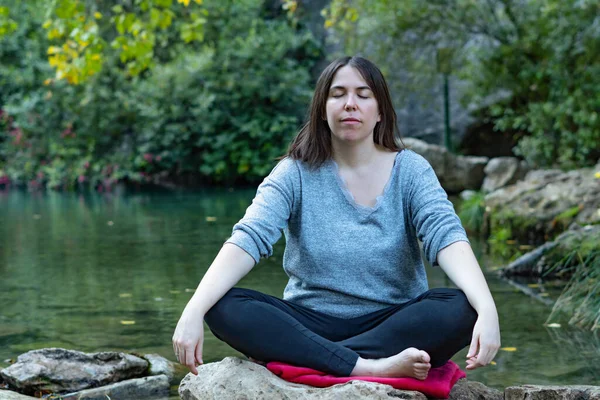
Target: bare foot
(411,362)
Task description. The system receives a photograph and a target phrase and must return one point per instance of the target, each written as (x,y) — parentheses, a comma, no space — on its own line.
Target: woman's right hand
(188,340)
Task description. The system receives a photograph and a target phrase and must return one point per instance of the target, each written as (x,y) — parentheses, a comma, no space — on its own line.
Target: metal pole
(447,141)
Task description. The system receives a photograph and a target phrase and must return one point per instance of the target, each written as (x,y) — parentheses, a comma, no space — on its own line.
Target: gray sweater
(344,259)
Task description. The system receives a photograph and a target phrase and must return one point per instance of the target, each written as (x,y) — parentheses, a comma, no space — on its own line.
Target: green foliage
(472,211)
(543,53)
(220,110)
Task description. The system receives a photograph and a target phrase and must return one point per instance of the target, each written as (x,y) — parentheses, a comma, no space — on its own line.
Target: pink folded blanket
(438,384)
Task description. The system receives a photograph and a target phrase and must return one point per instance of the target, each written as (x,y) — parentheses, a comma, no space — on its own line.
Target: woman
(353,205)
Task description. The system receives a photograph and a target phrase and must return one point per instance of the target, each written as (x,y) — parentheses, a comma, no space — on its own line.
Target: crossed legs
(402,340)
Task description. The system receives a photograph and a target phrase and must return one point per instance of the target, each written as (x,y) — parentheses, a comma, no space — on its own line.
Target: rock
(470,390)
(59,370)
(535,392)
(159,366)
(234,378)
(503,171)
(151,387)
(467,194)
(545,204)
(456,173)
(546,260)
(8,395)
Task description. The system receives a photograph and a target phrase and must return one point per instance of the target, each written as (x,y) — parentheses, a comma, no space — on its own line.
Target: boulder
(150,387)
(503,171)
(59,370)
(234,378)
(535,392)
(456,173)
(545,204)
(160,366)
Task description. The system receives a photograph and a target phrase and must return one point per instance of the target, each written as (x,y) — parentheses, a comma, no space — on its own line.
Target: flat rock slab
(59,370)
(536,392)
(151,387)
(8,395)
(236,379)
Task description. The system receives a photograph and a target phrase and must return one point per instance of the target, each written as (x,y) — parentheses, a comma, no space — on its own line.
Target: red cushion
(438,384)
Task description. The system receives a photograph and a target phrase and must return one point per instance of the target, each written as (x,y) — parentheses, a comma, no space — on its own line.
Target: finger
(473,346)
(199,354)
(190,360)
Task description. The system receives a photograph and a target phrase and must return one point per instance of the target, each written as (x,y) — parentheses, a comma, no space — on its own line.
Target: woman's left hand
(485,342)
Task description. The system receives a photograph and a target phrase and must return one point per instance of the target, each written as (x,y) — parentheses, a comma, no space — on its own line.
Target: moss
(471,213)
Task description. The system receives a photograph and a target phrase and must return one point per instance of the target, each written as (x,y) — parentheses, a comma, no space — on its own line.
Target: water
(113,272)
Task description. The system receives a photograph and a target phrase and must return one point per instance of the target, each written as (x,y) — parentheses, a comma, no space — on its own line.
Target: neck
(355,155)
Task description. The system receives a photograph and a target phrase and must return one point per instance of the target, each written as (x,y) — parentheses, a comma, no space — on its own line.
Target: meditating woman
(353,204)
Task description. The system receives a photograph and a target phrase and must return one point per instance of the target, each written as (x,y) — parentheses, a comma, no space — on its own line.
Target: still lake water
(113,272)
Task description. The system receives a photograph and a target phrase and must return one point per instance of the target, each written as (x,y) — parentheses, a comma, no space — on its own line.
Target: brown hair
(312,144)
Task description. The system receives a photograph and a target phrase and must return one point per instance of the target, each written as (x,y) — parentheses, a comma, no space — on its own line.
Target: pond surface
(113,272)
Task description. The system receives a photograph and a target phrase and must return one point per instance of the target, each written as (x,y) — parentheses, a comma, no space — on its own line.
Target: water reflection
(74,267)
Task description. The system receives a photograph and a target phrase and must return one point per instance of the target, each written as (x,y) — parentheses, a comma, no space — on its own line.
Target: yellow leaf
(510,241)
(124,295)
(510,349)
(97,15)
(493,362)
(533,285)
(199,2)
(184,2)
(47,82)
(53,50)
(545,294)
(127,322)
(96,57)
(597,175)
(47,24)
(328,23)
(211,219)
(553,325)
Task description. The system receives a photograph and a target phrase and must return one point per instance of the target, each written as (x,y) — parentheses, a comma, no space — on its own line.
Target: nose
(350,103)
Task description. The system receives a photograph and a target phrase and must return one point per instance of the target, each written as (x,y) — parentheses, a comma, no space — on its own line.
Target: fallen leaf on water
(37,216)
(110,223)
(511,241)
(123,295)
(211,219)
(553,325)
(493,362)
(533,285)
(188,290)
(508,349)
(127,322)
(174,291)
(158,299)
(525,247)
(544,294)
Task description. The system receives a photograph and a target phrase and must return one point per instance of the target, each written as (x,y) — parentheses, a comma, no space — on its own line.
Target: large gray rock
(456,173)
(150,387)
(59,370)
(471,390)
(535,392)
(159,366)
(546,203)
(8,395)
(234,378)
(503,171)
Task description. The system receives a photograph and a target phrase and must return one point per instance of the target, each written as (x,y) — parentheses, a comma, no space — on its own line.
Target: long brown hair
(312,144)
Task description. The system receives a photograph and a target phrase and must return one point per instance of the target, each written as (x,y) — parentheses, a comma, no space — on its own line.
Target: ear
(379,117)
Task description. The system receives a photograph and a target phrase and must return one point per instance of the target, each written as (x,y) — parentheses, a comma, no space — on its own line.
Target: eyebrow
(344,88)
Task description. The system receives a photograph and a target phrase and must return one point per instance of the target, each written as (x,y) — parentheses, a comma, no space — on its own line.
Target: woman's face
(352,111)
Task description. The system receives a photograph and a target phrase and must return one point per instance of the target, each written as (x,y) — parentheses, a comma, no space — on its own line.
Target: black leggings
(440,322)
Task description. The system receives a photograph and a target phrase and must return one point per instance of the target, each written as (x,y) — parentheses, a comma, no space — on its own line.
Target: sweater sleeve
(432,214)
(268,215)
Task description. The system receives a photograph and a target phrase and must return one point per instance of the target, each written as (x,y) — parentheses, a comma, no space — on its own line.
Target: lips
(350,119)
